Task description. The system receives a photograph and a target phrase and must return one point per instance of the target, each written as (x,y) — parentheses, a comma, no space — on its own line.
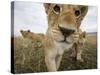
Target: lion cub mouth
(66,33)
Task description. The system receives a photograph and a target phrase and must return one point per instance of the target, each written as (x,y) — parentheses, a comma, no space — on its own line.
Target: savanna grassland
(29,56)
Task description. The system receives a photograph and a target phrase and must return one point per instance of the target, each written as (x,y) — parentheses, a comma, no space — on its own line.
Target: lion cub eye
(56,9)
(77,13)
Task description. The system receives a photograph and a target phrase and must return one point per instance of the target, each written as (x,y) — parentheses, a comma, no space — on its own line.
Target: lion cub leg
(79,56)
(77,52)
(58,60)
(80,46)
(74,52)
(50,61)
(51,64)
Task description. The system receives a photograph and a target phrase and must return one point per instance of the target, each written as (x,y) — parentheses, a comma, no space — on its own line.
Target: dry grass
(29,56)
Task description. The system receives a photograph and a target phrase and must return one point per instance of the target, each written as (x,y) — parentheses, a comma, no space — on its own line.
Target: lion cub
(37,39)
(77,47)
(31,35)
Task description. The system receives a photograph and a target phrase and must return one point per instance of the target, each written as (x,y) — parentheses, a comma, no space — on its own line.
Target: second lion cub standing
(31,35)
(77,47)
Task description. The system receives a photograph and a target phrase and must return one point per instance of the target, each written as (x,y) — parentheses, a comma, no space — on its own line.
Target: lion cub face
(64,20)
(27,34)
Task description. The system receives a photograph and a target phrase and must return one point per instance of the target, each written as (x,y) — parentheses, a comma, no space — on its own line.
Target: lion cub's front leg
(58,60)
(79,55)
(50,60)
(78,49)
(50,63)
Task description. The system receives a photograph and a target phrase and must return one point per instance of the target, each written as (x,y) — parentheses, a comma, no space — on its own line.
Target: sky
(32,16)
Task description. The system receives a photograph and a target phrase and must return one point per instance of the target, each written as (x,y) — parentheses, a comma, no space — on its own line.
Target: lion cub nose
(66,32)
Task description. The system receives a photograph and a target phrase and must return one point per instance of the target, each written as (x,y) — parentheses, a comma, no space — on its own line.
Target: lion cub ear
(84,10)
(47,6)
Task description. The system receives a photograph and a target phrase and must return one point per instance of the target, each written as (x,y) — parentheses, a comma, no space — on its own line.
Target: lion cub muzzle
(66,32)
